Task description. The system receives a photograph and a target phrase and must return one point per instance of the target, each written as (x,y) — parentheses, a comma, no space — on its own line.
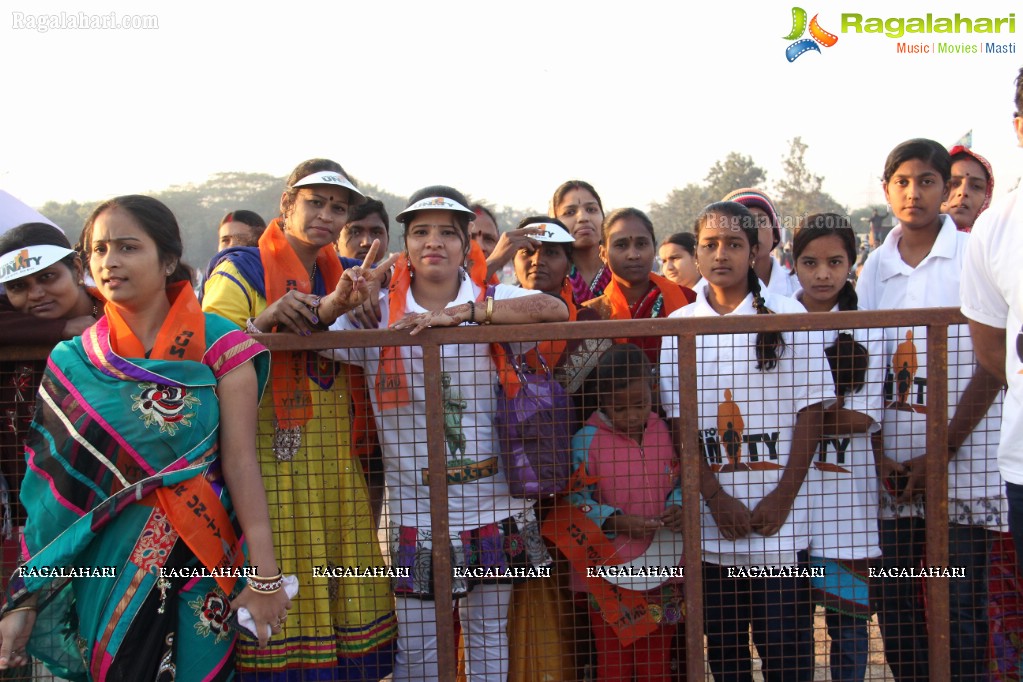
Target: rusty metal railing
(937,322)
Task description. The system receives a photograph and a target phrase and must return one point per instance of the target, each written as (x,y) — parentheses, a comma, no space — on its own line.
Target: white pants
(484,617)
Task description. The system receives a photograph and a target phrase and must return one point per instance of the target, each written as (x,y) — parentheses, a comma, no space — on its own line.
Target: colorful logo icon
(817,35)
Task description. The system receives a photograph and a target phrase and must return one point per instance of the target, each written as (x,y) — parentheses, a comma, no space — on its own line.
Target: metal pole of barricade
(688,402)
(446,646)
(936,495)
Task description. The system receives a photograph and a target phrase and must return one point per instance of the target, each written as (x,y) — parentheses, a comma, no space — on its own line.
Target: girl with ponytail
(842,484)
(759,420)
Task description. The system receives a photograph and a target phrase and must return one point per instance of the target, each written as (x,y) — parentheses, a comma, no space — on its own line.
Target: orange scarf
(584,544)
(282,272)
(392,380)
(551,351)
(674,297)
(183,337)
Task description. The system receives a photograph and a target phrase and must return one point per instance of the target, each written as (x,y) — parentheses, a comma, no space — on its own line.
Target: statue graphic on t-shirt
(454,408)
(730,428)
(905,366)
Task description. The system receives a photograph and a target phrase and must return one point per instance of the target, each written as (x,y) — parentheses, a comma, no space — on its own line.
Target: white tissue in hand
(245,618)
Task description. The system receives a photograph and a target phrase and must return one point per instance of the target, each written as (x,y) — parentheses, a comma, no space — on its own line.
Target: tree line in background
(798,193)
(199,207)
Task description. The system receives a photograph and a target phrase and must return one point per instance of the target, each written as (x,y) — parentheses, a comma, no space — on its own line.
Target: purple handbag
(534,432)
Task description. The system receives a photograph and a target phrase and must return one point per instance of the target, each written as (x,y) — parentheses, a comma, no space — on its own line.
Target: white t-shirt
(477,488)
(748,416)
(888,283)
(842,483)
(992,294)
(783,282)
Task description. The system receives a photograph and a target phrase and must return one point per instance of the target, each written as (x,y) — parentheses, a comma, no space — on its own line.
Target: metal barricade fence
(16,361)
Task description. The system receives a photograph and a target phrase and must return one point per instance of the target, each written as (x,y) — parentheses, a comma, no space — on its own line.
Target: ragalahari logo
(817,35)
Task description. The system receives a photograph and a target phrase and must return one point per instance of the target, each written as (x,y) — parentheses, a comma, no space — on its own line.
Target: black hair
(1019,93)
(461,219)
(480,209)
(567,246)
(367,208)
(156,220)
(245,217)
(922,149)
(309,167)
(618,366)
(622,213)
(37,234)
(848,359)
(568,186)
(770,346)
(250,218)
(687,240)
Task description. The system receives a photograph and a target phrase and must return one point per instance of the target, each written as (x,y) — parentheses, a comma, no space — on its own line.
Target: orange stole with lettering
(585,546)
(183,337)
(392,380)
(282,272)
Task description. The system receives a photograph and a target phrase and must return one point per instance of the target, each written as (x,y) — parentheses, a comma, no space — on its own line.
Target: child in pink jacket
(628,470)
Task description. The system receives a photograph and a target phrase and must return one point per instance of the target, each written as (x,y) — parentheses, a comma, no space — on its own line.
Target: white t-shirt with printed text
(477,488)
(889,283)
(746,421)
(842,484)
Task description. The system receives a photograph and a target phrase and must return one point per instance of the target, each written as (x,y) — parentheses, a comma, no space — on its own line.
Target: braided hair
(848,359)
(770,346)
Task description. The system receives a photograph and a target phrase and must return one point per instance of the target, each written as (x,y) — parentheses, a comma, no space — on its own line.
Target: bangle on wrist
(472,312)
(250,326)
(266,585)
(20,608)
(490,310)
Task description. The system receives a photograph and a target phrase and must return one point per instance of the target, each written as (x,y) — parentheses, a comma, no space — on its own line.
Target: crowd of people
(192,506)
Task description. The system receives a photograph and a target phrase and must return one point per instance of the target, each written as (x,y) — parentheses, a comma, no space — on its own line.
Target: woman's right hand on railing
(15,630)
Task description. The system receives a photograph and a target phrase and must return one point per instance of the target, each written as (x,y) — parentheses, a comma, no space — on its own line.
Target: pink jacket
(631,478)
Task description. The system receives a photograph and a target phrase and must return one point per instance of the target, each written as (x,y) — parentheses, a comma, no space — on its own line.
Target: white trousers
(484,617)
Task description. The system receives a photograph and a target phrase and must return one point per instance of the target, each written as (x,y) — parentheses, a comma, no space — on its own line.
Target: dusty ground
(877,670)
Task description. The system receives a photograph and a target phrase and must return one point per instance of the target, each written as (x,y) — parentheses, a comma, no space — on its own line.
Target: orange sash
(282,272)
(673,294)
(586,546)
(181,337)
(551,351)
(193,507)
(195,511)
(392,380)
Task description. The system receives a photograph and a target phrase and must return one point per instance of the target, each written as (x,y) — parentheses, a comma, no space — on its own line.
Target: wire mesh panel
(628,500)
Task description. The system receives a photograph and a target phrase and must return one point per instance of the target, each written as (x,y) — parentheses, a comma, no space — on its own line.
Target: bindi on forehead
(341,196)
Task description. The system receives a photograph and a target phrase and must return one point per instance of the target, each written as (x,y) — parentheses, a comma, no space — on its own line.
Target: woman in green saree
(132,550)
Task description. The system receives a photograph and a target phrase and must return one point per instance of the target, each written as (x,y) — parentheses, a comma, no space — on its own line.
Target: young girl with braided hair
(759,420)
(842,482)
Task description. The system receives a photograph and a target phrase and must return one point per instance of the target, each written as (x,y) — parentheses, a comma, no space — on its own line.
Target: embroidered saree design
(108,488)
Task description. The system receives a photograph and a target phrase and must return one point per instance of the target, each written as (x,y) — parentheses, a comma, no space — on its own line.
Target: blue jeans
(780,613)
(850,646)
(899,606)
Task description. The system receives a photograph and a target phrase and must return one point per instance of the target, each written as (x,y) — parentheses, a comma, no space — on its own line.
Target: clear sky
(503,100)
